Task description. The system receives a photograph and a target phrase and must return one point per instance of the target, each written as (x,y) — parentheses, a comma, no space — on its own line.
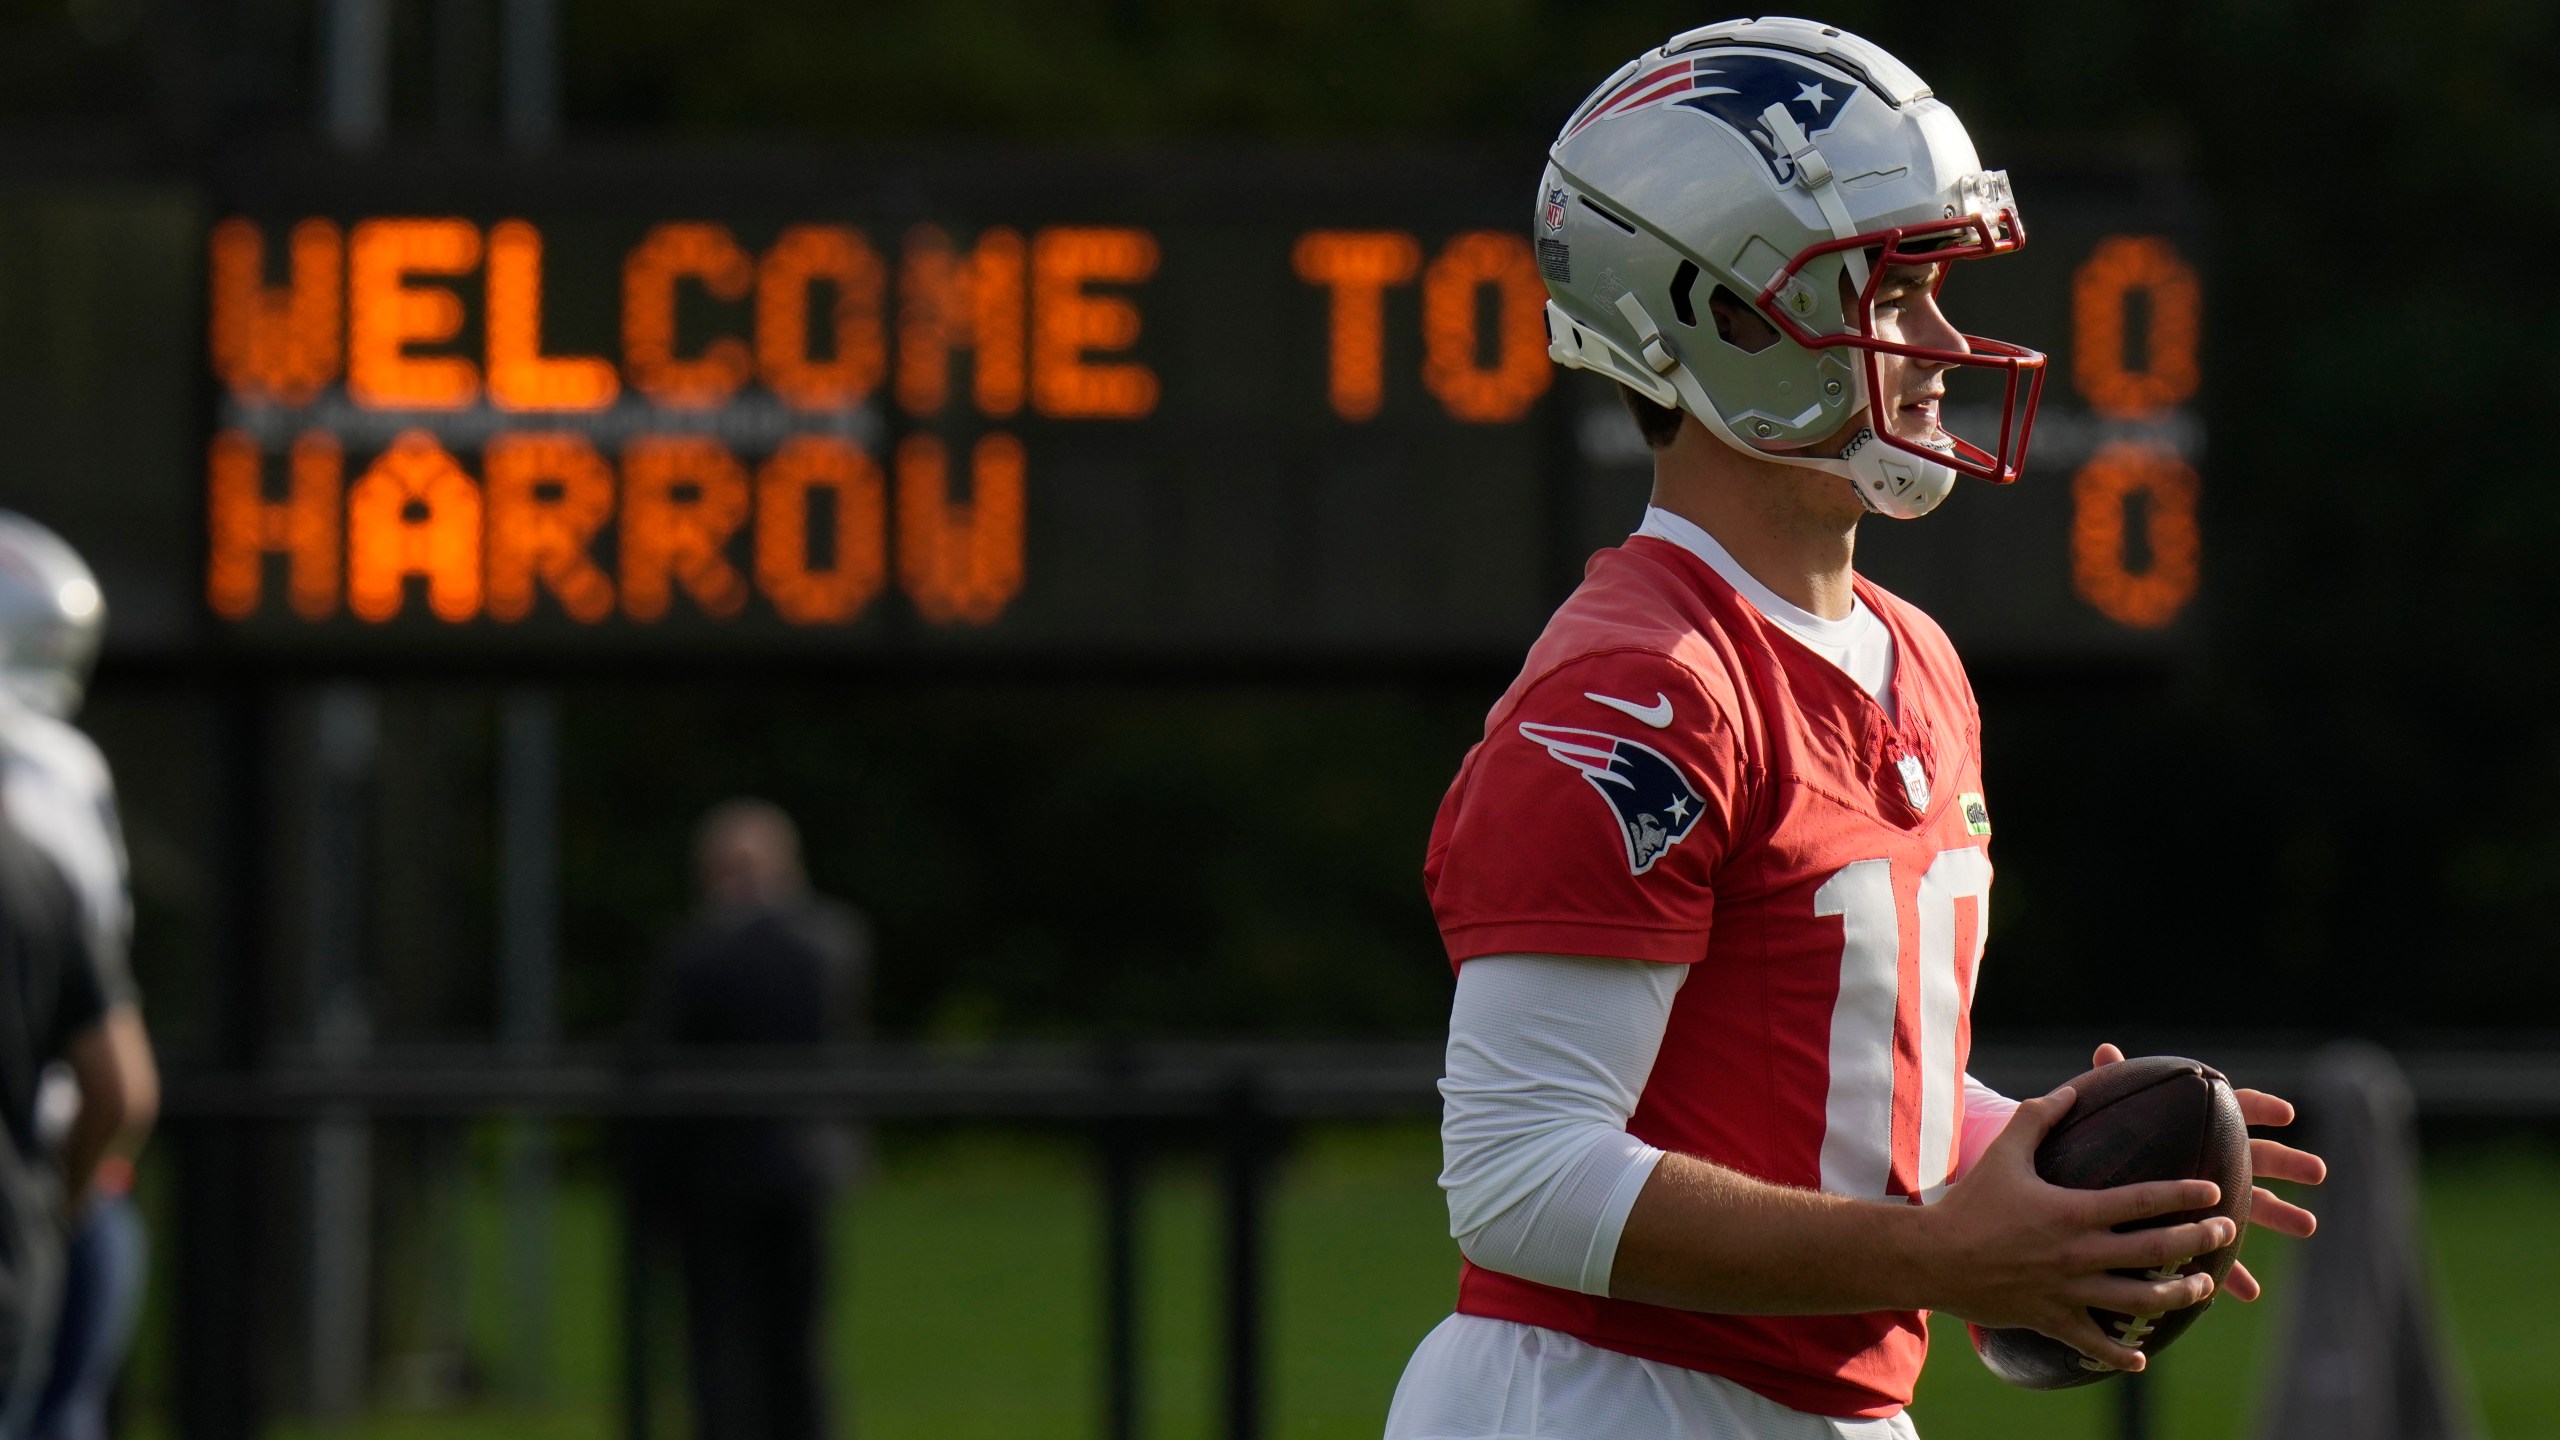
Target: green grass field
(969,1305)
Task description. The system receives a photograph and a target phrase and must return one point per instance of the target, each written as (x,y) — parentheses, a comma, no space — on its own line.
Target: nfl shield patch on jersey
(1655,805)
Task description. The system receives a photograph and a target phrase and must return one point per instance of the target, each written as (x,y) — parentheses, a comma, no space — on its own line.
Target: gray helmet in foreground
(1774,159)
(51,615)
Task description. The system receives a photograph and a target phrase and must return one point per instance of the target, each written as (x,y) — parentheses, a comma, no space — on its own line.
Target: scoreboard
(1159,406)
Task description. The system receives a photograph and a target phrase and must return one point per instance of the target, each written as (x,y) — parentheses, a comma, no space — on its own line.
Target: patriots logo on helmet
(1737,88)
(1654,803)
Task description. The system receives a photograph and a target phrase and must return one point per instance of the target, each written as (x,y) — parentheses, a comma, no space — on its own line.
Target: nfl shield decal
(1654,804)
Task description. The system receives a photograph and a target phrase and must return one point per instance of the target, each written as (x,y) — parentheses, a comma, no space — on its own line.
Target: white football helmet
(1772,158)
(51,616)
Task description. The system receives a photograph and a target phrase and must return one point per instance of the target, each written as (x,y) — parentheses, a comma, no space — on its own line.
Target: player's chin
(1919,427)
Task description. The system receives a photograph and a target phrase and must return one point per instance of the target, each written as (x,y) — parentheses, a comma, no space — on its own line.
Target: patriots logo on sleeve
(1654,803)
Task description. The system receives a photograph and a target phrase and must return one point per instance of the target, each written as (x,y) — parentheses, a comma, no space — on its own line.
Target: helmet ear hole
(1738,325)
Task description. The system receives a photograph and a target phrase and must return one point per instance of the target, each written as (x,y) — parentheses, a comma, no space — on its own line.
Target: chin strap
(1814,174)
(1890,481)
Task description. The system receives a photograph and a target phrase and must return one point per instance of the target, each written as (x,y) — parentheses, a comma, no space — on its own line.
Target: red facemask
(1936,244)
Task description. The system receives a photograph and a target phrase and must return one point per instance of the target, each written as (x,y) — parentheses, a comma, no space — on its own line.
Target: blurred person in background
(57,992)
(764,963)
(95,1100)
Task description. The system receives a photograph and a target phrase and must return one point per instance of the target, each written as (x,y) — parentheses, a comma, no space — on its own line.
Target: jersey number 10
(1891,1017)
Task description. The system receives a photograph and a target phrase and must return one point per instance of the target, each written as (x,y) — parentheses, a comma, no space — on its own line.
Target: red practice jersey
(1674,778)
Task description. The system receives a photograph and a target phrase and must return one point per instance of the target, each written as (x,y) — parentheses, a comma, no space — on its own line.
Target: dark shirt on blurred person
(57,986)
(791,973)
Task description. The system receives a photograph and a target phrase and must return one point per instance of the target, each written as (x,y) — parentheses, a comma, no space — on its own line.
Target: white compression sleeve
(1547,1057)
(1986,1114)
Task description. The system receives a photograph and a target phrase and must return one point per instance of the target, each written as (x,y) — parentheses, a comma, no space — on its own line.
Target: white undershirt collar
(1859,642)
(1689,535)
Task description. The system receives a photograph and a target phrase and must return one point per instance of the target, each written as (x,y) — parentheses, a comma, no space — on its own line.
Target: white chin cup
(1893,482)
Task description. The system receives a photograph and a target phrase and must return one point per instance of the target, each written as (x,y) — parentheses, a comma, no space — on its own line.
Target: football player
(1715,880)
(56,790)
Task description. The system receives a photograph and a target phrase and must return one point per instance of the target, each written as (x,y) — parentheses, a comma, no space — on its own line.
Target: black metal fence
(1240,1100)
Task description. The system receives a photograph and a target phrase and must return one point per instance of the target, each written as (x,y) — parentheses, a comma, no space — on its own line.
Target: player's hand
(2014,1251)
(2268,1160)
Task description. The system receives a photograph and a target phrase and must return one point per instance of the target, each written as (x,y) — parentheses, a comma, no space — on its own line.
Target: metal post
(529,869)
(529,73)
(528,989)
(638,1299)
(529,845)
(1248,1144)
(355,72)
(461,71)
(220,1298)
(346,723)
(2133,1408)
(1123,1176)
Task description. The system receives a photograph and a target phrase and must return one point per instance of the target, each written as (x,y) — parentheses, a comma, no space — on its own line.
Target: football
(2157,1118)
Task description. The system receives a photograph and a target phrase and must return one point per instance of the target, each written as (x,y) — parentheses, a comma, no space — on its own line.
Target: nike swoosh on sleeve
(1657,714)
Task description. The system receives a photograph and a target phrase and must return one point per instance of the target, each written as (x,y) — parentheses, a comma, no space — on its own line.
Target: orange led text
(680,524)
